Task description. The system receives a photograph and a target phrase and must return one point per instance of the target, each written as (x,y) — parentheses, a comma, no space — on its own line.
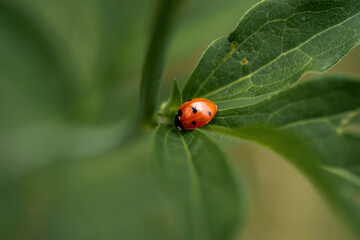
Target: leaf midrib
(319,119)
(305,120)
(344,173)
(196,198)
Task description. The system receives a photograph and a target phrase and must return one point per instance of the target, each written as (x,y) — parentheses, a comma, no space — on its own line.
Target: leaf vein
(251,35)
(278,57)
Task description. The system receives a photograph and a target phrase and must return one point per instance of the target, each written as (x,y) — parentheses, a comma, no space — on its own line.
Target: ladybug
(195,113)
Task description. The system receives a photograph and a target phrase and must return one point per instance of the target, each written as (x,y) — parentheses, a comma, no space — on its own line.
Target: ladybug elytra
(194,114)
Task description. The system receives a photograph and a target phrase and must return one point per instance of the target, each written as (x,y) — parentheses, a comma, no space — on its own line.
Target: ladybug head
(178,123)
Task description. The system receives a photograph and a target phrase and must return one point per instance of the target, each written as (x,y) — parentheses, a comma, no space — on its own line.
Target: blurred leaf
(119,56)
(273,45)
(32,33)
(117,67)
(308,125)
(32,147)
(166,13)
(70,55)
(35,84)
(42,43)
(109,197)
(201,184)
(170,108)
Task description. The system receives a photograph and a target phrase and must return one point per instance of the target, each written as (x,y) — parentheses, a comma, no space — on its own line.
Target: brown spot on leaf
(244,61)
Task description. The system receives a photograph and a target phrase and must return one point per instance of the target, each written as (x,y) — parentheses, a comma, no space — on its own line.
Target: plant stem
(154,61)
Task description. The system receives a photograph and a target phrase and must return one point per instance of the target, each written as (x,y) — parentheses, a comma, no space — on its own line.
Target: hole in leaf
(233,47)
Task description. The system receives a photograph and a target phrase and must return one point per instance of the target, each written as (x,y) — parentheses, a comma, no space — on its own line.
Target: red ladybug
(194,113)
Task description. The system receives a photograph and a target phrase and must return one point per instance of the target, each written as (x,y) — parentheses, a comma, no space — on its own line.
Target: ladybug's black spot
(194,110)
(179,113)
(178,123)
(209,113)
(193,123)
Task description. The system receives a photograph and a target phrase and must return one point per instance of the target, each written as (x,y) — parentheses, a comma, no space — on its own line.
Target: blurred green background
(69,83)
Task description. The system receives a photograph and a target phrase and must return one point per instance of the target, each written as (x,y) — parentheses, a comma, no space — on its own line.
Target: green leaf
(319,111)
(273,45)
(340,187)
(170,107)
(200,183)
(313,125)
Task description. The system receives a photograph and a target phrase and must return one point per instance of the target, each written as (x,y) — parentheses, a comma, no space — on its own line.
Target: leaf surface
(318,111)
(274,44)
(199,180)
(315,125)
